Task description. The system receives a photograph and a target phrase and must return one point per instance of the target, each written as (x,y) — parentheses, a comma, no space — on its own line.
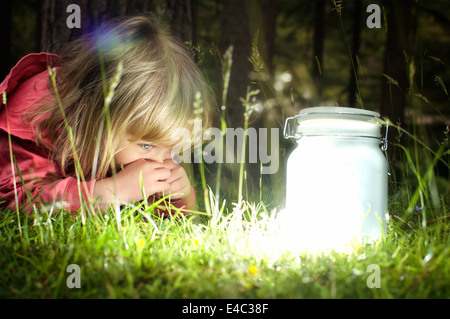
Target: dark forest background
(310,53)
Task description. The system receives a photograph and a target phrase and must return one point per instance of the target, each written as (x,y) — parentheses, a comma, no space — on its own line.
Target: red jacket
(26,84)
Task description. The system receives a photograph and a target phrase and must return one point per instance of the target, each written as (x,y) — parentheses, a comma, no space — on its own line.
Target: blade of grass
(12,160)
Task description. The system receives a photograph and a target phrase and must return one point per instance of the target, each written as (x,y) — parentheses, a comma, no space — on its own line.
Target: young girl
(120,94)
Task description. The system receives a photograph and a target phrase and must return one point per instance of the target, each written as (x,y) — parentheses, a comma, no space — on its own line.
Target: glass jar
(337,176)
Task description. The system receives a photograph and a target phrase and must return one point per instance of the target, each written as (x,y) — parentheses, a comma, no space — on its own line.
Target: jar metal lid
(333,121)
(339,111)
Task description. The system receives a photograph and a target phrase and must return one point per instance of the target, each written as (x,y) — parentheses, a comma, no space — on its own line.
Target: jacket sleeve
(67,193)
(35,178)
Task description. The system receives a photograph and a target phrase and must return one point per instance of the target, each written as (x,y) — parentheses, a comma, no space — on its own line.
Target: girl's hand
(180,186)
(125,185)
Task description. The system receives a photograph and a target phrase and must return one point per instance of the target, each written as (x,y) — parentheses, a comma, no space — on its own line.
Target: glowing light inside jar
(336,181)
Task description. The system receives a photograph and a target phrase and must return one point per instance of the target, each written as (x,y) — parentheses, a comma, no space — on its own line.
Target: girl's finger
(170,164)
(159,188)
(176,174)
(160,174)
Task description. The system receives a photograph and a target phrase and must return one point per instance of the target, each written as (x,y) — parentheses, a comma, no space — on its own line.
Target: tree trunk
(262,16)
(181,16)
(235,32)
(319,32)
(395,90)
(393,96)
(353,87)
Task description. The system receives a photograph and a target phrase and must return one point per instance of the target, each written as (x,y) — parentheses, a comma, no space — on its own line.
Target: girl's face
(130,152)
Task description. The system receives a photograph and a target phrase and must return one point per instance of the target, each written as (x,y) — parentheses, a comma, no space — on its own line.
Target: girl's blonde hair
(158,86)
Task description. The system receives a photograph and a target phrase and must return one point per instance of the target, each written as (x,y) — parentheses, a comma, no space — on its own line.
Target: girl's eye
(146,146)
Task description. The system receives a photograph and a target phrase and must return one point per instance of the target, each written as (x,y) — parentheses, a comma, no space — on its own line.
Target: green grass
(226,256)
